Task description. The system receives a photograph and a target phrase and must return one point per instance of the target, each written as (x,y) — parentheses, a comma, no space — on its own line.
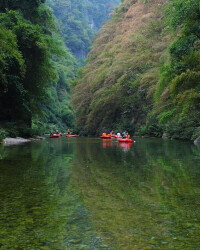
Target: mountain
(143,72)
(79,21)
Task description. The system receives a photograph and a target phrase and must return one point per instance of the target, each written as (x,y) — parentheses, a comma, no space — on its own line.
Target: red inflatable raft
(71,135)
(125,140)
(54,136)
(118,137)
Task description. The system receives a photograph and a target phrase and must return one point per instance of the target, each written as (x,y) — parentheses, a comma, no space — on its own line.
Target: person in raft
(125,134)
(57,132)
(112,133)
(68,131)
(118,134)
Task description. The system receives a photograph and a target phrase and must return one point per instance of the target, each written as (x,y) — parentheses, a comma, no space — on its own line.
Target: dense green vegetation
(36,67)
(79,21)
(179,83)
(33,61)
(56,111)
(143,72)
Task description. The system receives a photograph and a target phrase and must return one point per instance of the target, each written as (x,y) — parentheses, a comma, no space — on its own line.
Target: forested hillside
(143,72)
(36,67)
(79,20)
(33,60)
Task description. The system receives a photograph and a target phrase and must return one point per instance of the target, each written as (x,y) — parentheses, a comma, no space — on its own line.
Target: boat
(68,135)
(125,140)
(105,136)
(54,135)
(117,136)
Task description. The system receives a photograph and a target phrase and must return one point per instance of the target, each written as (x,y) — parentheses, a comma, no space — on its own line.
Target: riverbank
(19,140)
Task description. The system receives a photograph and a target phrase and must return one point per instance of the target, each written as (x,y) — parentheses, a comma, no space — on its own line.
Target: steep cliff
(139,65)
(117,85)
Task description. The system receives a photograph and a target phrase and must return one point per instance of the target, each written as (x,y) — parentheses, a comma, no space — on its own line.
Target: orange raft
(105,136)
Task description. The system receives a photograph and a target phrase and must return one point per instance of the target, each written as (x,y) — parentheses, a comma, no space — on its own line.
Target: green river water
(85,193)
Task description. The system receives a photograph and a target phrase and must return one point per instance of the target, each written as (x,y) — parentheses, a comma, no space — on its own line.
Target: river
(85,193)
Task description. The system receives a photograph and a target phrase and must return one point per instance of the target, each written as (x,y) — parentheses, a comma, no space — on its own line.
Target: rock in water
(9,141)
(197,142)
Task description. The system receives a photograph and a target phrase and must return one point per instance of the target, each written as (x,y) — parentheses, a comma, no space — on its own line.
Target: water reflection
(144,199)
(39,206)
(114,143)
(107,143)
(84,193)
(125,146)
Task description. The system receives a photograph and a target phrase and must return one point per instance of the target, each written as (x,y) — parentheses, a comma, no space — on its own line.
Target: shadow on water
(85,193)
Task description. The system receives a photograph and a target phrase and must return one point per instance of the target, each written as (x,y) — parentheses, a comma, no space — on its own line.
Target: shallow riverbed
(86,193)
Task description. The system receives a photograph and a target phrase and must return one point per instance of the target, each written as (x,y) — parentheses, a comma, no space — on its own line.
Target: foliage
(116,87)
(35,69)
(3,134)
(196,133)
(181,75)
(143,72)
(26,67)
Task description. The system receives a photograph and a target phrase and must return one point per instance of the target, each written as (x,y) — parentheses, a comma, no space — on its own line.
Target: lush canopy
(143,72)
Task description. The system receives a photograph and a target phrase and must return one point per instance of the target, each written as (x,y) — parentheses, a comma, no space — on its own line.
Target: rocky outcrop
(12,141)
(197,142)
(18,140)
